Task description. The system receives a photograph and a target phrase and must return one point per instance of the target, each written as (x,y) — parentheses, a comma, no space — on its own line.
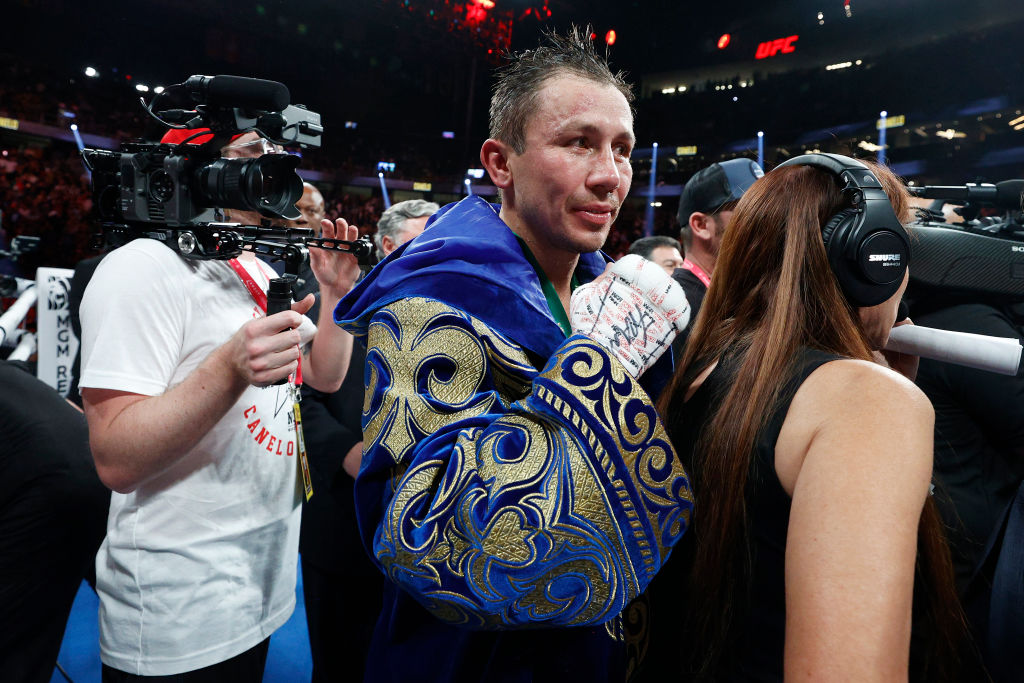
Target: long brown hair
(772,293)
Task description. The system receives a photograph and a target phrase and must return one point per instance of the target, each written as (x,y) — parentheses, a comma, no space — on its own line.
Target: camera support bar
(294,253)
(223,241)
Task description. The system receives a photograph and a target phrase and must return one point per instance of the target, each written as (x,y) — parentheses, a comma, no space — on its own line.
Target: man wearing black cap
(705,208)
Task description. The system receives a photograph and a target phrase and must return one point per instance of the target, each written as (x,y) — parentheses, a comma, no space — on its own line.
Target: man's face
(411,229)
(249,146)
(717,223)
(668,258)
(311,206)
(574,173)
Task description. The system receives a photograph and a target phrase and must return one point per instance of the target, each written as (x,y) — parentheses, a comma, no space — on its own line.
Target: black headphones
(868,249)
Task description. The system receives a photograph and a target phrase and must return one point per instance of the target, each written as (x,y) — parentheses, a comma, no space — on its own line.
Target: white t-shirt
(198,564)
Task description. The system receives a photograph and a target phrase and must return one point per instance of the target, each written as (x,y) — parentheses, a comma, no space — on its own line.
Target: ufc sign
(774,47)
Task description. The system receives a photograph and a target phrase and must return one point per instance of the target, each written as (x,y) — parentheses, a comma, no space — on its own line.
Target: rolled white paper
(994,354)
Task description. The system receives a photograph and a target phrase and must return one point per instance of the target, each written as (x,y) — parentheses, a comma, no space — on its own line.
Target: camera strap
(255,291)
(304,481)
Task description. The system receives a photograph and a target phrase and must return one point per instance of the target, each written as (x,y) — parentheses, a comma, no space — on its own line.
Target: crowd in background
(797,110)
(45,190)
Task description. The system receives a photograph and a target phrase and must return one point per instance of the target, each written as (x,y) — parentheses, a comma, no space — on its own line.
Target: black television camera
(174,192)
(984,255)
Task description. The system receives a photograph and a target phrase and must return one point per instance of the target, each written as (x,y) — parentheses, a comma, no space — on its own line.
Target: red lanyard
(259,296)
(255,291)
(693,268)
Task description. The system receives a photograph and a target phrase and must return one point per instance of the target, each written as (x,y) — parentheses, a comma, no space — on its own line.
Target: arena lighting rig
(485,23)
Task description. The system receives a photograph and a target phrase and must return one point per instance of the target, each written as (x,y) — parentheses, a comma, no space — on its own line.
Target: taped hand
(634,309)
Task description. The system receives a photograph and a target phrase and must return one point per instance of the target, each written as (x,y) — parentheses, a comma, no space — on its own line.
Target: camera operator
(189,428)
(979,465)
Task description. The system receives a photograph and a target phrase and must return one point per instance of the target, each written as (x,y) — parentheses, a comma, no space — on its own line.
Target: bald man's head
(311,206)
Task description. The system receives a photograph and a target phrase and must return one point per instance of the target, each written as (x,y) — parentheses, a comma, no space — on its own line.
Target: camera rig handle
(222,241)
(295,253)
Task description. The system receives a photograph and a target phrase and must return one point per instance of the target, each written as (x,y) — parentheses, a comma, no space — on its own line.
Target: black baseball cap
(711,187)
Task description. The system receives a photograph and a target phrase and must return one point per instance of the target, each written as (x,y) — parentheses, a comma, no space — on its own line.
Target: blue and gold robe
(517,485)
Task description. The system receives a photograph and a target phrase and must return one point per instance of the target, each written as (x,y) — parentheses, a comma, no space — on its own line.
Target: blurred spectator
(400,223)
(53,512)
(705,209)
(342,587)
(979,470)
(664,251)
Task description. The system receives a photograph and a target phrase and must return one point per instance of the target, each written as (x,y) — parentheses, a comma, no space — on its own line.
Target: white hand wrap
(635,310)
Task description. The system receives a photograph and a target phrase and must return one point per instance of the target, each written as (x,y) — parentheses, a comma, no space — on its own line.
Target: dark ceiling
(390,66)
(164,36)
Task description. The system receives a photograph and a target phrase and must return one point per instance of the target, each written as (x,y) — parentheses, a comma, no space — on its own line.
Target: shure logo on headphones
(884,258)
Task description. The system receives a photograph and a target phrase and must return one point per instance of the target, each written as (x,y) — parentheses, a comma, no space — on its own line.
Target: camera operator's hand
(266,350)
(135,437)
(336,271)
(634,309)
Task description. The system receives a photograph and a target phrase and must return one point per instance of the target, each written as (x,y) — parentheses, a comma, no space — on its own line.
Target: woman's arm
(855,454)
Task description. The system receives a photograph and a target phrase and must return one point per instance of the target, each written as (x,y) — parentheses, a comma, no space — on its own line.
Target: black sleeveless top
(757,635)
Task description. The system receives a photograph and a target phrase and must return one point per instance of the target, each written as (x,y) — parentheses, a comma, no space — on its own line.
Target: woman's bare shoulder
(854,406)
(848,387)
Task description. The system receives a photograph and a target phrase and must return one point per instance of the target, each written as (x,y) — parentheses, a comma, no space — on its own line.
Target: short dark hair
(518,83)
(645,246)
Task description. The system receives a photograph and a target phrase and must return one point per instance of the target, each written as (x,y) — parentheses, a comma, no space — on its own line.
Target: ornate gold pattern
(640,440)
(512,510)
(409,346)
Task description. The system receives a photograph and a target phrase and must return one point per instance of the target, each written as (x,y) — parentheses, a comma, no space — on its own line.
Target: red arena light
(723,42)
(610,37)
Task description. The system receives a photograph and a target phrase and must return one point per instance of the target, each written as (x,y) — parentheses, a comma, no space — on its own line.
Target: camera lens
(267,184)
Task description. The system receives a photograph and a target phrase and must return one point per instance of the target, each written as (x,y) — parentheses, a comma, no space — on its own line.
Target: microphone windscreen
(252,93)
(1009,194)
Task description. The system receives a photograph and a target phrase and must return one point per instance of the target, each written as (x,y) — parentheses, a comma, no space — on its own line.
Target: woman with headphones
(815,550)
